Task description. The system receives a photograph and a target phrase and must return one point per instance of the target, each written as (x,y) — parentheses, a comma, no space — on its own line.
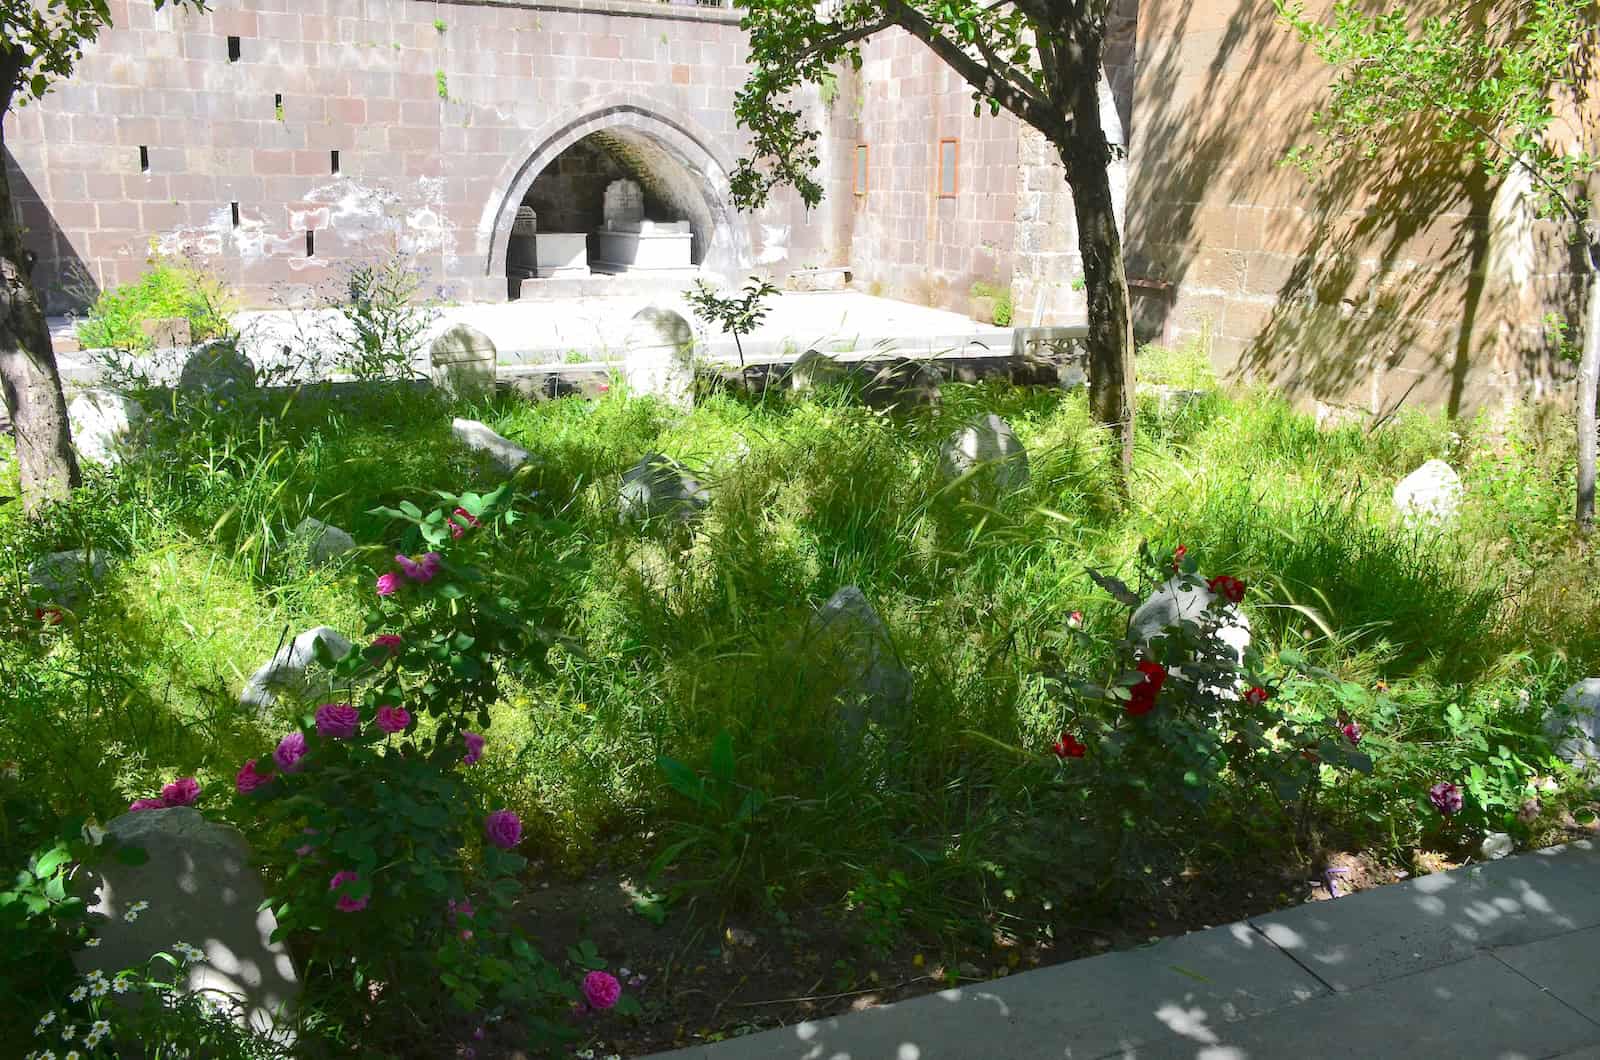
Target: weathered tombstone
(322,542)
(903,384)
(464,361)
(475,435)
(202,891)
(102,424)
(1178,600)
(520,256)
(989,447)
(847,637)
(219,371)
(624,204)
(1431,494)
(813,369)
(1574,726)
(659,357)
(658,488)
(287,672)
(65,578)
(1171,400)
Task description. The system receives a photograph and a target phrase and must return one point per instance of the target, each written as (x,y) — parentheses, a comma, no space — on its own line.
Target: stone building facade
(280,139)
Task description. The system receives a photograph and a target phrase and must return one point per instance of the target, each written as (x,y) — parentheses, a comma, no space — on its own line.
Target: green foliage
(42,43)
(1003,308)
(380,328)
(167,289)
(439,24)
(724,826)
(735,316)
(442,85)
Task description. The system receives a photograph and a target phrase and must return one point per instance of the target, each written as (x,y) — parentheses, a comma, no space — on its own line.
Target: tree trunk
(1588,383)
(28,377)
(1087,157)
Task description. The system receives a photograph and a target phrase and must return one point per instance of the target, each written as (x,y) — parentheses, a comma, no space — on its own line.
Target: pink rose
(289,751)
(393,719)
(474,748)
(601,990)
(388,584)
(344,903)
(421,570)
(146,804)
(467,522)
(303,850)
(389,642)
(185,791)
(503,828)
(338,721)
(249,780)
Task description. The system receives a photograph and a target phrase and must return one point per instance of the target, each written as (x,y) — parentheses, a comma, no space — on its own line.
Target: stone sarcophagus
(644,246)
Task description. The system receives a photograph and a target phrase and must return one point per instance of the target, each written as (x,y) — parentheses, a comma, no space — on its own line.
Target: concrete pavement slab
(1568,966)
(1408,927)
(1477,1009)
(1169,992)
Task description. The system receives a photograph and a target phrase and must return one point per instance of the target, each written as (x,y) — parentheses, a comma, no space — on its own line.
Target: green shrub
(1003,307)
(167,289)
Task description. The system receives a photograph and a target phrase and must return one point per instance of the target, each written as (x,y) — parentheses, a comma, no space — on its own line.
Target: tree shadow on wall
(63,281)
(1369,284)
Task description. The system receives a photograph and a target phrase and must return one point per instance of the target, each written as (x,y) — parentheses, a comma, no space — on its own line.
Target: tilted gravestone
(322,542)
(201,890)
(1178,601)
(218,370)
(464,361)
(288,671)
(658,488)
(1429,495)
(1574,726)
(479,436)
(988,449)
(64,579)
(847,639)
(103,422)
(813,369)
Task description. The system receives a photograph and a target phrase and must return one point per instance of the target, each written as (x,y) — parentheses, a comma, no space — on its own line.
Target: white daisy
(44,1021)
(78,993)
(73,1055)
(92,1039)
(92,943)
(99,988)
(69,1032)
(121,984)
(101,1027)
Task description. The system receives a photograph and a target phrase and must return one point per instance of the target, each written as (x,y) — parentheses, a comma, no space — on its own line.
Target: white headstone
(102,424)
(322,542)
(1429,495)
(464,360)
(475,435)
(989,446)
(1574,726)
(1178,600)
(286,671)
(624,204)
(64,578)
(847,634)
(660,355)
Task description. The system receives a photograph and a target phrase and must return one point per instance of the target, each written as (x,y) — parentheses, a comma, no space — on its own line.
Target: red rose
(1226,586)
(1068,747)
(1142,700)
(1154,673)
(1257,696)
(1177,556)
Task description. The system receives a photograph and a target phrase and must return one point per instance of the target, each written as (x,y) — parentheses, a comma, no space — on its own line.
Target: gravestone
(847,637)
(1180,600)
(65,578)
(322,543)
(659,356)
(520,256)
(989,447)
(201,890)
(219,371)
(1430,495)
(504,451)
(464,361)
(658,488)
(903,384)
(813,369)
(1574,726)
(624,204)
(287,672)
(102,424)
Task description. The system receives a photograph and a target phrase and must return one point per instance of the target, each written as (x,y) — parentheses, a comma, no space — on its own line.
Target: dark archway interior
(569,194)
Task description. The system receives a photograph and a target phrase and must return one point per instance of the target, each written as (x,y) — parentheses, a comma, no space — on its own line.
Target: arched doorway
(566,171)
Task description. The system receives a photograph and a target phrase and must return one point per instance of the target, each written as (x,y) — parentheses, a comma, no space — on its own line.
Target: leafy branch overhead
(1012,53)
(41,43)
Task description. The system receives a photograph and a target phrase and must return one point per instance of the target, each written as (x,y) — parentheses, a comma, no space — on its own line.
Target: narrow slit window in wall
(949,162)
(311,243)
(144,159)
(234,208)
(333,158)
(234,49)
(861,169)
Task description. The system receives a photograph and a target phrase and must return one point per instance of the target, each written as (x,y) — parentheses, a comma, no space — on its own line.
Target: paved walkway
(1499,961)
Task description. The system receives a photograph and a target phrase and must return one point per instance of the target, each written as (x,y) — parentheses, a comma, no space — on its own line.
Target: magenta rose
(503,828)
(338,721)
(474,744)
(185,791)
(393,719)
(1446,798)
(389,642)
(601,990)
(289,751)
(388,584)
(146,804)
(249,780)
(344,903)
(419,570)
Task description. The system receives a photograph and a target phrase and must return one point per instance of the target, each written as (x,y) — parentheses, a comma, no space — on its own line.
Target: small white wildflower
(92,1039)
(44,1021)
(69,1032)
(73,1055)
(99,988)
(78,993)
(130,916)
(101,1027)
(121,984)
(140,906)
(92,943)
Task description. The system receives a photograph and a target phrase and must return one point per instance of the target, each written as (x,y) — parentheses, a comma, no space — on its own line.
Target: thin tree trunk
(29,380)
(1588,384)
(1087,157)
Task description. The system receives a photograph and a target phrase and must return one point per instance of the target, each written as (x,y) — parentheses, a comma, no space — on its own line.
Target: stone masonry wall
(436,129)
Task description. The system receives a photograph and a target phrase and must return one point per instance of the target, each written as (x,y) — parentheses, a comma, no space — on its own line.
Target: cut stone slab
(1435,920)
(323,543)
(1118,1004)
(504,451)
(659,488)
(906,384)
(66,578)
(1430,495)
(848,637)
(1476,1008)
(464,361)
(1568,966)
(286,673)
(659,356)
(201,890)
(988,444)
(1574,726)
(218,370)
(102,424)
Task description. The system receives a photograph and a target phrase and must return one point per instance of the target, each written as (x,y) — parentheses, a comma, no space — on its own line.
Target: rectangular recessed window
(949,161)
(234,207)
(311,243)
(277,105)
(333,159)
(861,169)
(234,49)
(144,159)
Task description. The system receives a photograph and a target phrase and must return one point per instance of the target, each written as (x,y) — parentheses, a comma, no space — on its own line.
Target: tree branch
(845,39)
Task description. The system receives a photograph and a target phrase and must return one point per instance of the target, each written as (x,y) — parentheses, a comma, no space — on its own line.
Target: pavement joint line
(1495,953)
(1298,963)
